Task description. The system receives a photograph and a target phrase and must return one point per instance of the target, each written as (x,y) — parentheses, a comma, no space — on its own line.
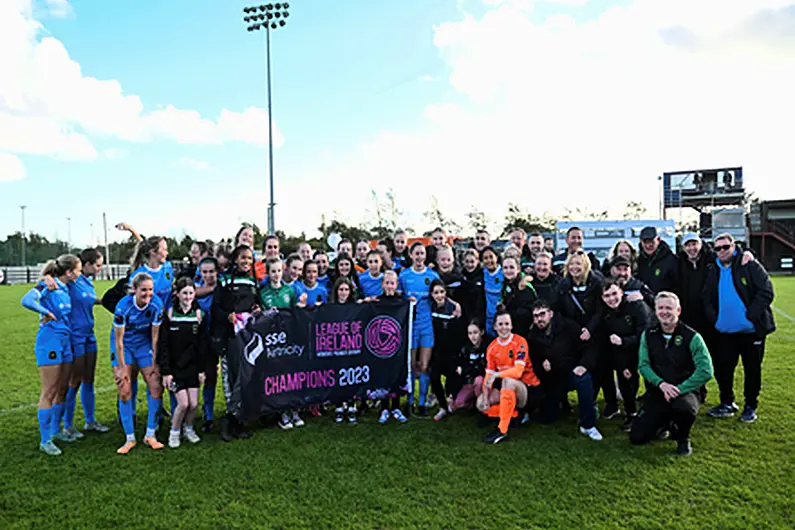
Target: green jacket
(282,297)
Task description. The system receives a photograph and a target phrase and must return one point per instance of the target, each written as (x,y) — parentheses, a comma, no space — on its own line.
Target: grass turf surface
(418,475)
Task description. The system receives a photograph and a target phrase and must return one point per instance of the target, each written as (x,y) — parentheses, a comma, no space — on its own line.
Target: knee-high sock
(69,411)
(425,384)
(55,418)
(507,407)
(44,424)
(126,413)
(88,400)
(159,411)
(208,398)
(134,400)
(154,409)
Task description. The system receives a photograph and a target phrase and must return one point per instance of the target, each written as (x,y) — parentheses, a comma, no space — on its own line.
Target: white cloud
(114,153)
(59,8)
(565,113)
(194,164)
(11,168)
(45,95)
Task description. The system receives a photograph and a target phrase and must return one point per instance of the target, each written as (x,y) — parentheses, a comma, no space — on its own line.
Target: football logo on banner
(383,336)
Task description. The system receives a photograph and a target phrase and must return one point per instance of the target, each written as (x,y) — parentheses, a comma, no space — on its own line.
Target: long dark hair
(353,277)
(236,254)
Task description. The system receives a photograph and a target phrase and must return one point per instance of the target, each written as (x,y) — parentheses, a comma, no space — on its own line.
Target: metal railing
(15,275)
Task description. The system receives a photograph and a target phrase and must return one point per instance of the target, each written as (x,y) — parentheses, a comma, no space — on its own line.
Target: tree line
(384,218)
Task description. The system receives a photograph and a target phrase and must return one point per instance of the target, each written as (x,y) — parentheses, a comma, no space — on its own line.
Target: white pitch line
(783,314)
(20,408)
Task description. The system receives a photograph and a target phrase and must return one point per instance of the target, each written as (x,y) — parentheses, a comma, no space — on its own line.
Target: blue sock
(44,424)
(425,384)
(410,398)
(126,413)
(172,399)
(88,401)
(154,408)
(134,388)
(69,411)
(208,397)
(55,418)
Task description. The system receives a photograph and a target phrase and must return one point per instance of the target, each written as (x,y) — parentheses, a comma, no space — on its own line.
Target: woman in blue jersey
(415,286)
(151,257)
(371,279)
(400,257)
(53,346)
(83,297)
(136,329)
(309,290)
(293,269)
(493,279)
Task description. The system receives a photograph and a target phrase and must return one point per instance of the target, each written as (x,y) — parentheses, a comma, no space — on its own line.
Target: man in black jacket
(737,301)
(562,362)
(545,281)
(657,265)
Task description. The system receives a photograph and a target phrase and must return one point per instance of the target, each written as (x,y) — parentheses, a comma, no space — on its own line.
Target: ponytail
(60,266)
(142,250)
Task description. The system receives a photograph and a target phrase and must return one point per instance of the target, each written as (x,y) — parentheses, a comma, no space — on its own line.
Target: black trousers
(629,390)
(658,413)
(732,347)
(439,366)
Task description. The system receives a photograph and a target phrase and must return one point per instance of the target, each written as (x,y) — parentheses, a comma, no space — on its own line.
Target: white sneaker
(173,440)
(296,420)
(384,417)
(191,436)
(442,414)
(591,433)
(285,422)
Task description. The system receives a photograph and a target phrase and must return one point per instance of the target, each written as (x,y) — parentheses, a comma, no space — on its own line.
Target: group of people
(510,333)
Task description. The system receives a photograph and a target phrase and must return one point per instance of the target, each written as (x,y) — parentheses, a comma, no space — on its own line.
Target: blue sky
(476,102)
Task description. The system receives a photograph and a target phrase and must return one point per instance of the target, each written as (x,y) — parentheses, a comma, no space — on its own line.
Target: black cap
(648,233)
(620,260)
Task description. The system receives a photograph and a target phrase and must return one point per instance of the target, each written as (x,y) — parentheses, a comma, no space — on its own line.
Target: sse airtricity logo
(383,336)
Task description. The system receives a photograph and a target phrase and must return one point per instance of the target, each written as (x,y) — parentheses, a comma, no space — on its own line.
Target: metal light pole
(268,17)
(23,234)
(68,234)
(662,198)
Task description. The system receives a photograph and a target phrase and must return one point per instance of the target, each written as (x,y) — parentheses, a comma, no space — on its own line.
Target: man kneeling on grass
(510,381)
(675,364)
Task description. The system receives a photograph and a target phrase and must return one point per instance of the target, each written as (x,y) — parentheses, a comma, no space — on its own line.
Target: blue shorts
(421,337)
(83,344)
(140,357)
(53,348)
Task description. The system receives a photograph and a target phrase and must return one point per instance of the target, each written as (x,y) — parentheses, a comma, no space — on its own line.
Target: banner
(289,359)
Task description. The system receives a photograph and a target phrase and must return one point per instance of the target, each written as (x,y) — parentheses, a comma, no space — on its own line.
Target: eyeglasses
(579,252)
(721,248)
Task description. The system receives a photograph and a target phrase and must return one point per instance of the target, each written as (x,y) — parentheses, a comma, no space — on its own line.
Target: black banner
(289,359)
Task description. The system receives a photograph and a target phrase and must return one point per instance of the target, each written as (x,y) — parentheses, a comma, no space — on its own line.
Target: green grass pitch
(419,475)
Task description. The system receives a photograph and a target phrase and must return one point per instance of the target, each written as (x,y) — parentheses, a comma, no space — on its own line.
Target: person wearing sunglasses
(695,261)
(737,300)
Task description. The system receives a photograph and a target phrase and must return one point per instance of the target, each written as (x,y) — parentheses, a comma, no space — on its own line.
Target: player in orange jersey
(510,380)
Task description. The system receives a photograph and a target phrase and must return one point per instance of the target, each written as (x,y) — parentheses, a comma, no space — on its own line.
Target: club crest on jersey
(286,298)
(678,340)
(657,272)
(53,355)
(168,276)
(507,289)
(744,281)
(427,281)
(628,319)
